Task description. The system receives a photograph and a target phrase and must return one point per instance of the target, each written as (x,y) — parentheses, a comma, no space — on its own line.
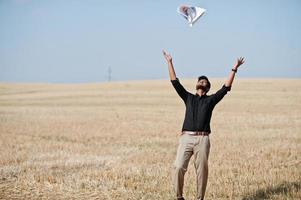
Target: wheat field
(118,140)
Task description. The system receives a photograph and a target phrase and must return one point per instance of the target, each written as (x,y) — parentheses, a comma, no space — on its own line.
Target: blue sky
(78,40)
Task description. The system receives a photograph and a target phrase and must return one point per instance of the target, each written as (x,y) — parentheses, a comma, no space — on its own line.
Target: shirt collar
(200,96)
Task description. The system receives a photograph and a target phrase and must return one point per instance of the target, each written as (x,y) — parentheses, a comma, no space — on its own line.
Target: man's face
(202,84)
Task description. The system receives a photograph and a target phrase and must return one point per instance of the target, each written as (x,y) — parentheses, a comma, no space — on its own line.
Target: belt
(196,132)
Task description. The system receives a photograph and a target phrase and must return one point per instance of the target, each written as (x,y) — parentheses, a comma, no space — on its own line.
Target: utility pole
(109,74)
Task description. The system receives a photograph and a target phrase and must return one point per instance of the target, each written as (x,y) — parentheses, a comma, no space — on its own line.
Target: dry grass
(119,140)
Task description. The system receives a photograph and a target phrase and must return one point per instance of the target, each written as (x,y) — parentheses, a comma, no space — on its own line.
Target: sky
(77,41)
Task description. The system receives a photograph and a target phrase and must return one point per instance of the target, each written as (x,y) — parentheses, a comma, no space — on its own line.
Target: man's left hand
(239,62)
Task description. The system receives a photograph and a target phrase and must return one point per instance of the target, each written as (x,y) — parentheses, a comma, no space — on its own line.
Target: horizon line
(138,80)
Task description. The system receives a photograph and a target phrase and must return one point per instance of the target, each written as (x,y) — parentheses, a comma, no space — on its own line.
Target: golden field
(118,140)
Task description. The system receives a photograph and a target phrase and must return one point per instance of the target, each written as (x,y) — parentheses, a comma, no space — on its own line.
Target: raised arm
(182,92)
(239,62)
(172,73)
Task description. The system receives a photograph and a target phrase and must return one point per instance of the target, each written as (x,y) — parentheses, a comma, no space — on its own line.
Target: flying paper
(191,13)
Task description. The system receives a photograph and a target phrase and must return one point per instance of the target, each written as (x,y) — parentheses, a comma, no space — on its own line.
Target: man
(194,139)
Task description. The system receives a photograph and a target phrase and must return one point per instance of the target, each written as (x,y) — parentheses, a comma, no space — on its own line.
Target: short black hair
(205,77)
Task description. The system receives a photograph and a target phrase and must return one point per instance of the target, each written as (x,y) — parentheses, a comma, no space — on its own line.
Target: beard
(200,87)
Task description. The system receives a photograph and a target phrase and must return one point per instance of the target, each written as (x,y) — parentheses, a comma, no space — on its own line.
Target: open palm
(239,61)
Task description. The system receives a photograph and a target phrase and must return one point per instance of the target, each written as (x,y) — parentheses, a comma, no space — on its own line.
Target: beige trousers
(189,145)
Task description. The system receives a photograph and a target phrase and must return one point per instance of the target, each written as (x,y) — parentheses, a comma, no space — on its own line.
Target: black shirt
(198,108)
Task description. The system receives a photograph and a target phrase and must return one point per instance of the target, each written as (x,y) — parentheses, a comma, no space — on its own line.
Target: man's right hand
(172,73)
(167,56)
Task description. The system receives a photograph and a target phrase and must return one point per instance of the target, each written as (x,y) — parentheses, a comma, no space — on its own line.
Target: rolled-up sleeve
(220,94)
(180,89)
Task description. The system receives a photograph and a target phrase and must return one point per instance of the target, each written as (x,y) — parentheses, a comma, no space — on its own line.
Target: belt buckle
(201,133)
(195,132)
